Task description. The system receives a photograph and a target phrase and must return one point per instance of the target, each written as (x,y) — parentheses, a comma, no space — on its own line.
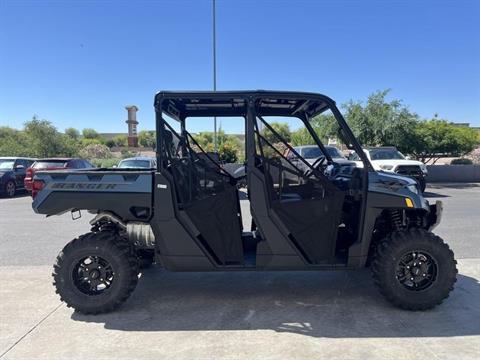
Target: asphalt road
(260,315)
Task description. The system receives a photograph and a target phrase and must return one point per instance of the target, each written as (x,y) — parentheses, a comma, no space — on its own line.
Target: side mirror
(114,166)
(408,158)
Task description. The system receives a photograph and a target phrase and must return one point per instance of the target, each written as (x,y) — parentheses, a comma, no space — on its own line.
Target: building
(132,125)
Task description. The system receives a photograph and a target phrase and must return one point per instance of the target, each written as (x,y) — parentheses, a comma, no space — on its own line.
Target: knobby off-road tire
(414,269)
(423,185)
(146,259)
(96,272)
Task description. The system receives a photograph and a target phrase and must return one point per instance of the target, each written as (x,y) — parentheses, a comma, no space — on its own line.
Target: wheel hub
(93,275)
(416,270)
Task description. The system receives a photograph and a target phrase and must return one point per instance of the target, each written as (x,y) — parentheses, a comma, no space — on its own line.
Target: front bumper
(435,215)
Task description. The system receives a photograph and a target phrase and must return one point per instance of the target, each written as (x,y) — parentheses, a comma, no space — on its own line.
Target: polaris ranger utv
(186,216)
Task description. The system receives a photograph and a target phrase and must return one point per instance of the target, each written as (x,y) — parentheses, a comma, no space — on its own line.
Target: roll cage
(297,216)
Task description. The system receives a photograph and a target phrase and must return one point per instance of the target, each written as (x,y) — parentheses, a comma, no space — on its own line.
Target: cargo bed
(126,193)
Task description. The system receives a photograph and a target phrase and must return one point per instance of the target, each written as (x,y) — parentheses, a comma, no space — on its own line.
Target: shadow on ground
(317,304)
(431,194)
(453,185)
(18,194)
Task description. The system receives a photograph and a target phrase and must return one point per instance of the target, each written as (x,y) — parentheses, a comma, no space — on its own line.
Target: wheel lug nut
(424,275)
(411,279)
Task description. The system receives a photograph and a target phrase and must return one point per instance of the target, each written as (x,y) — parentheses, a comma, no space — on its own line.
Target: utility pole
(214,73)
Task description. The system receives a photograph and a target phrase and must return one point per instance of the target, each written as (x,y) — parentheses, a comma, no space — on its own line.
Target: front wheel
(96,272)
(423,184)
(10,188)
(414,269)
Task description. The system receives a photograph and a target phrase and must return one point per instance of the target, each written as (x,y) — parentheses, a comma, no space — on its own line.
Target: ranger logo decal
(82,186)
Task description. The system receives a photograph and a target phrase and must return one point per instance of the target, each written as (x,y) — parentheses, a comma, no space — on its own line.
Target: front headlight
(386,167)
(413,188)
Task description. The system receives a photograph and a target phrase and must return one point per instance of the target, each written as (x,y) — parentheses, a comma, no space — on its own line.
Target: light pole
(214,73)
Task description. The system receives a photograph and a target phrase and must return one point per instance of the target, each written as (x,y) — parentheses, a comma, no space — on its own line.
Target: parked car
(54,164)
(138,162)
(389,159)
(12,173)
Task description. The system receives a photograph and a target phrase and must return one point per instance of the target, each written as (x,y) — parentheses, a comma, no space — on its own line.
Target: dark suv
(12,173)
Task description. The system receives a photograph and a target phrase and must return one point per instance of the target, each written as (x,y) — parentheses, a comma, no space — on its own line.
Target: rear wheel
(414,269)
(96,272)
(10,188)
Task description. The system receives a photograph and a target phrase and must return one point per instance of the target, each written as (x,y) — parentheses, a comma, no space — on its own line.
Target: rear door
(19,169)
(208,196)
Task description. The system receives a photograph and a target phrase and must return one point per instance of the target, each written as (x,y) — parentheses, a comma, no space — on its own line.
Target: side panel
(128,195)
(175,243)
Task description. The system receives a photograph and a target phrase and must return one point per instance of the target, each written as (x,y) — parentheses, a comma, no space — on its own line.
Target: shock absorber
(396,219)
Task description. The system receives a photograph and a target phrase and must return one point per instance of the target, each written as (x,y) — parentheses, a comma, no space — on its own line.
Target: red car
(53,164)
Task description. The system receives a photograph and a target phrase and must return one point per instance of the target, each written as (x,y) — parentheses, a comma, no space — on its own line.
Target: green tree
(301,137)
(90,133)
(147,139)
(228,145)
(45,141)
(120,140)
(14,143)
(281,129)
(72,133)
(436,138)
(382,122)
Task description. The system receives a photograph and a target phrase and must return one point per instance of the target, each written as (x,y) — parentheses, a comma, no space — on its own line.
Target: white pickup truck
(389,159)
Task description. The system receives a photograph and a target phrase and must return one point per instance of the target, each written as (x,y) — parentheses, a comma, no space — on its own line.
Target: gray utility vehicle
(186,215)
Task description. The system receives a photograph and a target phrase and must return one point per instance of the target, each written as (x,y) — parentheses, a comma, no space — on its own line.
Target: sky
(78,63)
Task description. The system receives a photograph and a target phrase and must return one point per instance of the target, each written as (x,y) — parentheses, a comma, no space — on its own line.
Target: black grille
(410,170)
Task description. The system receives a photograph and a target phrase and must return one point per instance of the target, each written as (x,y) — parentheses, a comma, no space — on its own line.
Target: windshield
(311,152)
(50,164)
(334,152)
(135,164)
(386,154)
(314,152)
(6,164)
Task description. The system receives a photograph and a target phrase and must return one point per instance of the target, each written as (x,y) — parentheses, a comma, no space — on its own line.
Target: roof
(16,157)
(309,146)
(148,158)
(380,148)
(182,104)
(58,159)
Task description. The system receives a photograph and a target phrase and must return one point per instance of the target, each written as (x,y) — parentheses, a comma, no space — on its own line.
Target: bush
(90,134)
(96,151)
(104,163)
(127,154)
(461,161)
(228,152)
(475,156)
(120,140)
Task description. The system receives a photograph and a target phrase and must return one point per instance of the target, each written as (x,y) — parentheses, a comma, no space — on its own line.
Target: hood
(340,161)
(380,181)
(394,162)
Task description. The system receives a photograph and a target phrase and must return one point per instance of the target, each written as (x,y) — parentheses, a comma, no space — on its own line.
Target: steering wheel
(316,163)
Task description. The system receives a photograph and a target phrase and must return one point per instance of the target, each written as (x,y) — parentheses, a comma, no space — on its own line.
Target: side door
(19,169)
(303,203)
(207,197)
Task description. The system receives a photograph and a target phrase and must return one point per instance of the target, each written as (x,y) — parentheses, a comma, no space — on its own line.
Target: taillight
(37,186)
